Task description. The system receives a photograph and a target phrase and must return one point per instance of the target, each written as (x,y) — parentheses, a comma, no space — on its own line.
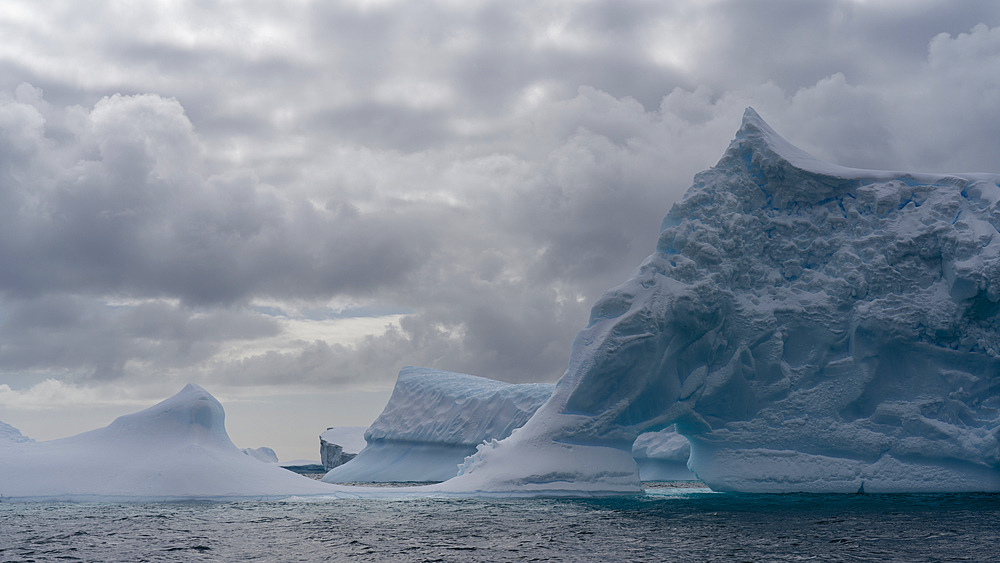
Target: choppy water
(663,525)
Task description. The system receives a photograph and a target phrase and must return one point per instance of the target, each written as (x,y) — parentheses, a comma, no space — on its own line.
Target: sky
(287,202)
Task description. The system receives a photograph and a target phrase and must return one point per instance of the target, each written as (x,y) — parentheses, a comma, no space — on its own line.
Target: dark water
(664,525)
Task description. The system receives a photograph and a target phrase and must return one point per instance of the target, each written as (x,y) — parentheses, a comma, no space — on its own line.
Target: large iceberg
(177,449)
(433,420)
(808,327)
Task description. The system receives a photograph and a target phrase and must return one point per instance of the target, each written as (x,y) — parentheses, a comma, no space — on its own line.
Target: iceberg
(176,449)
(263,454)
(435,419)
(338,445)
(806,326)
(662,456)
(10,435)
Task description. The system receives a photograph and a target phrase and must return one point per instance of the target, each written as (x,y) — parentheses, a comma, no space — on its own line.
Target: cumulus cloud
(481,171)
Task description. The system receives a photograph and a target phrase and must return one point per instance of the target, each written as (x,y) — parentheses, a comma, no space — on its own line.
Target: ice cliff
(176,449)
(808,327)
(338,445)
(433,420)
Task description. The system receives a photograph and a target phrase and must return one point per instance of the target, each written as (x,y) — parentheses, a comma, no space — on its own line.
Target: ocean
(665,524)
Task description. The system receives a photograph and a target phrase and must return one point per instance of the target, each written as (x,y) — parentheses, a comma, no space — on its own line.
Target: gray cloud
(126,210)
(82,340)
(489,168)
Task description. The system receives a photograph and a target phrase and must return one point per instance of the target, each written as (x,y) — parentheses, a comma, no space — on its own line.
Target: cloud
(54,394)
(89,340)
(482,170)
(123,206)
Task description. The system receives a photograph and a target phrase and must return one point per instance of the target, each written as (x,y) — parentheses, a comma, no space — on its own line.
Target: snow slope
(808,327)
(177,449)
(433,420)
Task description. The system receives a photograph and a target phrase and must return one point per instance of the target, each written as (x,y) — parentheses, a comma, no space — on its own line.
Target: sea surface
(668,523)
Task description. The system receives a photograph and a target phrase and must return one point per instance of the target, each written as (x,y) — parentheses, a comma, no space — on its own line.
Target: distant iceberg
(433,420)
(808,327)
(10,435)
(340,444)
(177,449)
(263,454)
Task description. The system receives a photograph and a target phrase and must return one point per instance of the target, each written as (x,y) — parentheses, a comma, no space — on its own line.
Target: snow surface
(433,420)
(177,449)
(808,327)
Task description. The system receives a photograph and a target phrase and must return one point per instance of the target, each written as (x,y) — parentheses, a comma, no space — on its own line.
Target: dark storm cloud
(488,167)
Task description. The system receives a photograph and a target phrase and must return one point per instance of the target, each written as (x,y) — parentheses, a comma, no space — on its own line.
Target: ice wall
(338,445)
(350,438)
(433,420)
(808,327)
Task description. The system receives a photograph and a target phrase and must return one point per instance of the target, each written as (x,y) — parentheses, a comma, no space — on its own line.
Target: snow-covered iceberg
(177,449)
(808,327)
(433,420)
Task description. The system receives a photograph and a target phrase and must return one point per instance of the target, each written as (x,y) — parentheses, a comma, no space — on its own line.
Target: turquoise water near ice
(665,524)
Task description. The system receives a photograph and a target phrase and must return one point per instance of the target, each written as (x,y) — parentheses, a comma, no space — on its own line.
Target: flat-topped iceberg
(433,420)
(176,449)
(808,327)
(339,444)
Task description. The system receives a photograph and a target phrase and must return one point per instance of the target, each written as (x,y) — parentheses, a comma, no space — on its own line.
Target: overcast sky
(286,202)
